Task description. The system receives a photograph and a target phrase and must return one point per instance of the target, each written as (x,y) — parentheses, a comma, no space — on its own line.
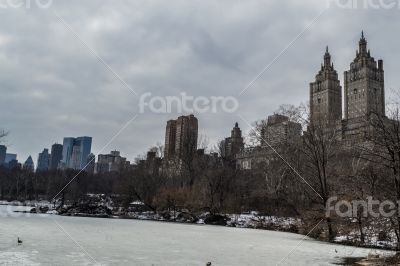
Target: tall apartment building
(364,94)
(170,139)
(181,137)
(43,162)
(75,152)
(112,162)
(280,130)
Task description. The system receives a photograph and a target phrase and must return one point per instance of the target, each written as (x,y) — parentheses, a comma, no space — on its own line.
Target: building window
(355,91)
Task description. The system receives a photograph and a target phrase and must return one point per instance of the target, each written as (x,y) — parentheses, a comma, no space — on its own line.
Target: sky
(79,68)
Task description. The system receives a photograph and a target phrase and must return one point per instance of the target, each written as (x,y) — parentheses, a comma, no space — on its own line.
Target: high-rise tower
(181,137)
(326,94)
(170,139)
(364,91)
(75,152)
(43,161)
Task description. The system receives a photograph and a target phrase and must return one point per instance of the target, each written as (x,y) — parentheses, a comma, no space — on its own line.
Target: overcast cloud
(52,86)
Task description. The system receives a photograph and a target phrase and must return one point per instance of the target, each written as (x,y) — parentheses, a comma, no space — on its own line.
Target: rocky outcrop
(86,210)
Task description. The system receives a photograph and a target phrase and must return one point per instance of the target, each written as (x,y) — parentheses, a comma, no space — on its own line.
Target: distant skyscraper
(3,151)
(75,152)
(56,156)
(29,165)
(68,145)
(170,136)
(75,161)
(85,144)
(186,135)
(43,161)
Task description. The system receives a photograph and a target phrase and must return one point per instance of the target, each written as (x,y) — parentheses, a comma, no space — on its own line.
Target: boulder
(216,219)
(186,217)
(43,209)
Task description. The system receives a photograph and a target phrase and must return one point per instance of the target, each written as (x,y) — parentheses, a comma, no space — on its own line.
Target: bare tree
(383,149)
(320,148)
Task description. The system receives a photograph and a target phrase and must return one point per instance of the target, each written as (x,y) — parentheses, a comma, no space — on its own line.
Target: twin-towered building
(348,114)
(364,94)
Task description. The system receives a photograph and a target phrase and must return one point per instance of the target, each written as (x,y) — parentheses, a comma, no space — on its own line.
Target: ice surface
(47,241)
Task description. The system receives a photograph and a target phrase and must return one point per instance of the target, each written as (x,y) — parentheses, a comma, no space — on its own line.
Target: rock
(186,217)
(383,236)
(43,209)
(166,215)
(216,219)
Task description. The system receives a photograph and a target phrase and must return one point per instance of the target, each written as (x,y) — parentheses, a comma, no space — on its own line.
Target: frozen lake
(57,240)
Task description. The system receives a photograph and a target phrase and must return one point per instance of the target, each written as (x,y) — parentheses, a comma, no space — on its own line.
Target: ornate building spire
(326,94)
(362,44)
(327,58)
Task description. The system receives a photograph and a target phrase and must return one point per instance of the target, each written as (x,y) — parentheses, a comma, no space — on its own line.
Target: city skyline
(324,106)
(229,69)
